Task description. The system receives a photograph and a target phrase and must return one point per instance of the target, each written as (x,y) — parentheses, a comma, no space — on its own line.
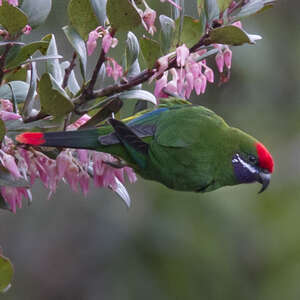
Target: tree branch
(69,70)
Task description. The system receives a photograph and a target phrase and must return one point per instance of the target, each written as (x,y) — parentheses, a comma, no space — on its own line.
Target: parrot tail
(82,139)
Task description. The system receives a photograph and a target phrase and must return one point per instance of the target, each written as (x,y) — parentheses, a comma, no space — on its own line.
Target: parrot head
(253,164)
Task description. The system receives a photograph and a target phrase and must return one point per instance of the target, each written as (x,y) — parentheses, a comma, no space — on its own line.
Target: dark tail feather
(82,139)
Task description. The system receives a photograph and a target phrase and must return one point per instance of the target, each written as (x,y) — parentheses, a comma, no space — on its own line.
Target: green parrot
(184,147)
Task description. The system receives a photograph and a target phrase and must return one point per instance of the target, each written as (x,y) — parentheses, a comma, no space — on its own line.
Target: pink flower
(108,42)
(6,105)
(6,115)
(130,174)
(209,74)
(78,123)
(148,17)
(13,196)
(171,87)
(91,43)
(84,180)
(113,69)
(227,57)
(11,2)
(182,53)
(220,61)
(159,85)
(238,24)
(9,163)
(27,29)
(189,84)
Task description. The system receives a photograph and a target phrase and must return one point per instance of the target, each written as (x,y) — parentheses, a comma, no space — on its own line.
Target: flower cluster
(107,40)
(191,73)
(74,167)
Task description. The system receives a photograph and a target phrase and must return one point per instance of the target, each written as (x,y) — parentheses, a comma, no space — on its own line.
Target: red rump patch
(264,157)
(31,138)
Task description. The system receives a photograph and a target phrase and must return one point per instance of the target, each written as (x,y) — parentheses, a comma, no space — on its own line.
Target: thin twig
(88,93)
(2,60)
(68,71)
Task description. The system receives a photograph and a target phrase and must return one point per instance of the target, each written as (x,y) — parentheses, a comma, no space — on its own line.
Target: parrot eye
(252,159)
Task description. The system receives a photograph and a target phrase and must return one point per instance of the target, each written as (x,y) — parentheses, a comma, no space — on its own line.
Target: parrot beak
(264,179)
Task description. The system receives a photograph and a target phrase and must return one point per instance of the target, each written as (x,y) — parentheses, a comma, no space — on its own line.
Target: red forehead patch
(264,157)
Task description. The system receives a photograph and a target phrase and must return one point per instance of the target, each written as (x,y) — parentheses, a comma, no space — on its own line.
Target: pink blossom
(180,82)
(198,85)
(227,57)
(6,115)
(220,61)
(209,74)
(159,85)
(9,163)
(108,42)
(6,105)
(91,43)
(84,180)
(78,123)
(13,2)
(113,69)
(238,24)
(171,86)
(130,174)
(189,84)
(148,17)
(27,29)
(182,53)
(12,196)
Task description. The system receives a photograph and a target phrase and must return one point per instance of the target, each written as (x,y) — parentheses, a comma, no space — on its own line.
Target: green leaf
(122,15)
(137,94)
(20,89)
(73,85)
(150,50)
(6,273)
(14,127)
(192,31)
(212,10)
(252,7)
(223,4)
(167,34)
(99,7)
(229,35)
(12,18)
(53,65)
(27,110)
(26,52)
(82,17)
(36,11)
(54,101)
(79,45)
(132,48)
(19,74)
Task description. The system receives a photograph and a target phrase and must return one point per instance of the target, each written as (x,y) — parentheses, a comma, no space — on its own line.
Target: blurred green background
(229,244)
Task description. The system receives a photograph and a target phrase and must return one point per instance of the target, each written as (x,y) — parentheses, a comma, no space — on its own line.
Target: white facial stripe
(244,164)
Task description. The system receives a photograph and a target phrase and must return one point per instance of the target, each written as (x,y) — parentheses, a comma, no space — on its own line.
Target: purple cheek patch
(244,172)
